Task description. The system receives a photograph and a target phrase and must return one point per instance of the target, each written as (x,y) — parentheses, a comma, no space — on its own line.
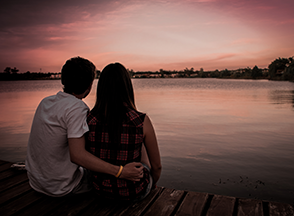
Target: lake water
(229,137)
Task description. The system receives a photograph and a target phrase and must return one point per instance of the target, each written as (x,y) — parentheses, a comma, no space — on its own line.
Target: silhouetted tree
(247,73)
(236,75)
(289,72)
(161,71)
(131,72)
(7,70)
(14,70)
(201,73)
(225,73)
(215,73)
(188,72)
(277,65)
(98,74)
(256,72)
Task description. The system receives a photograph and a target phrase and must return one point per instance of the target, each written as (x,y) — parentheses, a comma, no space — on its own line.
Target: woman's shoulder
(92,118)
(135,116)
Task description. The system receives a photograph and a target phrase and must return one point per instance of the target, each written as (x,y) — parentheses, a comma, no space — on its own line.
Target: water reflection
(212,133)
(282,97)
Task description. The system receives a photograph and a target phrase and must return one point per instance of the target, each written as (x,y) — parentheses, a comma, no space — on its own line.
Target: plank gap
(179,203)
(265,208)
(207,205)
(153,201)
(235,211)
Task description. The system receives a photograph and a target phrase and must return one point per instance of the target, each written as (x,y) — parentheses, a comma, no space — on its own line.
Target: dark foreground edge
(18,198)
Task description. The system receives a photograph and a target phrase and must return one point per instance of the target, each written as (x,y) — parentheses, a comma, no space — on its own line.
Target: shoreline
(229,78)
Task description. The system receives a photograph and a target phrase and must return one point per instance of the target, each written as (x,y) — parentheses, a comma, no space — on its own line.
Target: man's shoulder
(69,99)
(63,101)
(48,98)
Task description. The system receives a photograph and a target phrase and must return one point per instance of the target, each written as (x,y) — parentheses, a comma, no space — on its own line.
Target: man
(56,155)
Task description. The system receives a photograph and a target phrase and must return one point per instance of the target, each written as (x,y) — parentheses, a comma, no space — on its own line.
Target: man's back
(50,169)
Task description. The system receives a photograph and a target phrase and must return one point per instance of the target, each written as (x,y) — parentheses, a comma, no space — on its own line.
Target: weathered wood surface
(248,207)
(17,198)
(221,206)
(280,209)
(193,204)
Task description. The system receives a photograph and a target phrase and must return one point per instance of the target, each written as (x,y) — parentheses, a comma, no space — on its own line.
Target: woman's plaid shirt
(128,150)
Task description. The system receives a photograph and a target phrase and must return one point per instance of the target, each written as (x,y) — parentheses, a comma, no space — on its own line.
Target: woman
(118,134)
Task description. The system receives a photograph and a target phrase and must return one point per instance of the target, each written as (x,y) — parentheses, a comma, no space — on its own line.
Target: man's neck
(79,96)
(83,95)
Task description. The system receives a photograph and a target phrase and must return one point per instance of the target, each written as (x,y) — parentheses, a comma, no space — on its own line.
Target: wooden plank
(3,162)
(20,203)
(10,172)
(139,207)
(5,166)
(114,207)
(166,203)
(43,206)
(11,182)
(280,209)
(106,209)
(221,206)
(14,192)
(193,204)
(100,206)
(75,205)
(18,198)
(249,207)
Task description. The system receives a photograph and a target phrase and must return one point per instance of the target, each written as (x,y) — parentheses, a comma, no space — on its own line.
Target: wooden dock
(18,198)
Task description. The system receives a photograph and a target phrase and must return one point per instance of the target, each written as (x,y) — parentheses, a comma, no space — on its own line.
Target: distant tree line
(12,74)
(246,73)
(279,69)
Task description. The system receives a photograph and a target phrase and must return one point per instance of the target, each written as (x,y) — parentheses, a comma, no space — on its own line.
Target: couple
(112,149)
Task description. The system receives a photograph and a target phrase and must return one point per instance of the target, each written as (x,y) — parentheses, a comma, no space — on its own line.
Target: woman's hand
(132,171)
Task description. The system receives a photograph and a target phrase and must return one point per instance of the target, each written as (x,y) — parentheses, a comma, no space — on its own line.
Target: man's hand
(132,171)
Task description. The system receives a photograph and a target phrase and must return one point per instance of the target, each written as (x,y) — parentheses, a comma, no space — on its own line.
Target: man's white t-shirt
(48,163)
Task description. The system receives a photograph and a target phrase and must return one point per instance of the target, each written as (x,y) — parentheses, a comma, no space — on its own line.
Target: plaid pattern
(128,150)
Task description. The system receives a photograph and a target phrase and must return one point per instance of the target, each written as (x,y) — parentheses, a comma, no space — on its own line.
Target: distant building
(55,76)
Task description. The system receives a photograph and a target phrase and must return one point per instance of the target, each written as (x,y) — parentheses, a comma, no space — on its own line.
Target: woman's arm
(152,149)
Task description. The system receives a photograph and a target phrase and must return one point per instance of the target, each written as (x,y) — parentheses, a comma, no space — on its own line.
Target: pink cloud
(149,35)
(244,41)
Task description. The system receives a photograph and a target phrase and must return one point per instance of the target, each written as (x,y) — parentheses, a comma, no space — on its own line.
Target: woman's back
(125,149)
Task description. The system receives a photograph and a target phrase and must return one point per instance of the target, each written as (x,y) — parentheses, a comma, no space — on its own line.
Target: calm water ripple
(230,137)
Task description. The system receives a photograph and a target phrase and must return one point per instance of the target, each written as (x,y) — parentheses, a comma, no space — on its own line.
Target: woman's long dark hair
(114,94)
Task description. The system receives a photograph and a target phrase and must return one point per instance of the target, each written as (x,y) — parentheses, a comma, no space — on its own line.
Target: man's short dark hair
(77,74)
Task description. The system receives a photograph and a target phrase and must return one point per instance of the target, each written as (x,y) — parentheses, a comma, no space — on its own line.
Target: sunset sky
(145,35)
